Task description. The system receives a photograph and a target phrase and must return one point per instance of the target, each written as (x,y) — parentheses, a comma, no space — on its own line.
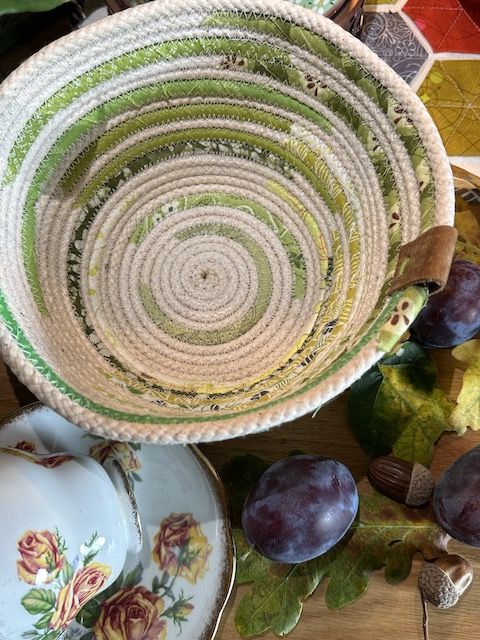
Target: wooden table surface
(385,611)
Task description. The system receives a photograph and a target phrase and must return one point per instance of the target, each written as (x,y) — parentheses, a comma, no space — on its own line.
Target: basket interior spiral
(202,204)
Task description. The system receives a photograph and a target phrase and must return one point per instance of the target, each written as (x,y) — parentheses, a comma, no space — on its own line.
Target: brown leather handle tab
(426,260)
(117,5)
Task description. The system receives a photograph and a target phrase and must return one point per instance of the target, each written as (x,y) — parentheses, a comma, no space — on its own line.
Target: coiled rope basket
(202,205)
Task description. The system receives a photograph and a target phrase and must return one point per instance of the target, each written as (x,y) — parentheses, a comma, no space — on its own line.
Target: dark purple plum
(451,316)
(300,508)
(456,500)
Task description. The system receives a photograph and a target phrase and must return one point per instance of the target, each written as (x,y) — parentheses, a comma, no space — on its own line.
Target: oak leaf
(385,535)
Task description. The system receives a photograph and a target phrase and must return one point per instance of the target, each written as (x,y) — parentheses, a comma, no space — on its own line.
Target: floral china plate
(178,585)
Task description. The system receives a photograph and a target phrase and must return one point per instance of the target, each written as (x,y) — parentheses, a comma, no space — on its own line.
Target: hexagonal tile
(451,93)
(472,7)
(448,25)
(392,39)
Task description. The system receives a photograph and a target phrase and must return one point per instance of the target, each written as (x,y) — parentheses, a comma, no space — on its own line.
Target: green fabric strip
(49,374)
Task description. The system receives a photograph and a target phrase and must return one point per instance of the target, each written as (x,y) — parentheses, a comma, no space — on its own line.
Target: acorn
(444,580)
(407,482)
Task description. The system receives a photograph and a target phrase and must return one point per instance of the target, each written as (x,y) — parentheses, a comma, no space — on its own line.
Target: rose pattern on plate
(181,548)
(25,445)
(132,613)
(131,609)
(60,588)
(84,584)
(123,452)
(27,451)
(40,558)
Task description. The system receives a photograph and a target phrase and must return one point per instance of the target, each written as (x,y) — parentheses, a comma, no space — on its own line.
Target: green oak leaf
(21,6)
(416,442)
(467,412)
(276,600)
(385,535)
(367,417)
(251,566)
(396,405)
(39,601)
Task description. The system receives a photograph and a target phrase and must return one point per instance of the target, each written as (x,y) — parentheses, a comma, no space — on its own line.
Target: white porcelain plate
(178,585)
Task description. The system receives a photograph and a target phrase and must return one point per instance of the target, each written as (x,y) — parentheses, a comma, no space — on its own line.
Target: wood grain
(385,611)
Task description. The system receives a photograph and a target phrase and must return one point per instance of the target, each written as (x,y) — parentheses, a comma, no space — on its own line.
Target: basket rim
(184,432)
(368,354)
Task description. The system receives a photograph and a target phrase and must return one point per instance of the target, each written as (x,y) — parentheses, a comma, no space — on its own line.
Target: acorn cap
(421,486)
(443,581)
(403,481)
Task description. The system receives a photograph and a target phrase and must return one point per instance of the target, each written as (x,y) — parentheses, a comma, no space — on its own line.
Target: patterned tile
(451,92)
(391,38)
(448,25)
(472,8)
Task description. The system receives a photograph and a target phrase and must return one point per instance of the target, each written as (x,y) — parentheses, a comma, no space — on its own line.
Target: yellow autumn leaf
(467,412)
(467,352)
(467,217)
(467,251)
(460,203)
(468,226)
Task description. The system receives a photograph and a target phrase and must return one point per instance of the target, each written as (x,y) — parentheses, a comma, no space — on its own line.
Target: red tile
(448,25)
(472,8)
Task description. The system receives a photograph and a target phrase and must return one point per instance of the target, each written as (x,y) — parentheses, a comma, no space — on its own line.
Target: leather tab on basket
(426,260)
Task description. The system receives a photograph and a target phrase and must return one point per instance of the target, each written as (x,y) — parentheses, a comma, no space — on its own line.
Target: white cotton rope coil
(202,205)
